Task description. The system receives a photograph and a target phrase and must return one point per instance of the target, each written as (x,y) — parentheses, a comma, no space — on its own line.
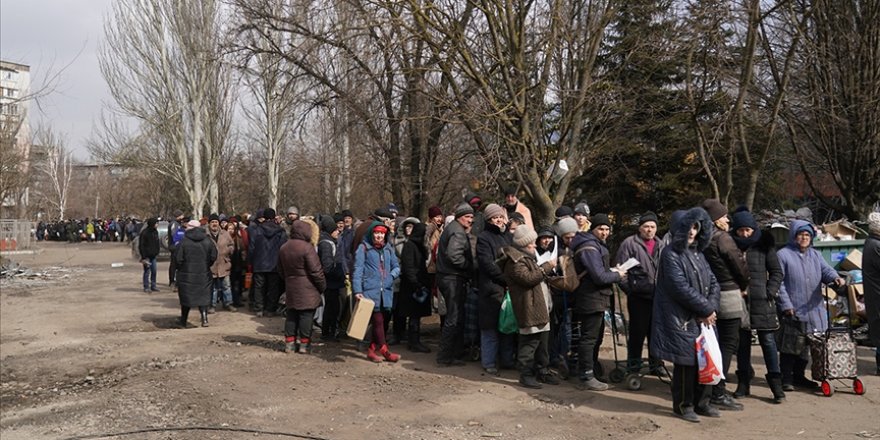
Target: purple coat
(804,273)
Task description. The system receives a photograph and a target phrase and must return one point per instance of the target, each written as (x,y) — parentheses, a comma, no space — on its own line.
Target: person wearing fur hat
(304,281)
(334,275)
(375,269)
(513,204)
(455,269)
(531,303)
(194,257)
(800,295)
(766,276)
(592,297)
(148,248)
(639,288)
(265,240)
(687,295)
(222,266)
(491,286)
(729,265)
(871,275)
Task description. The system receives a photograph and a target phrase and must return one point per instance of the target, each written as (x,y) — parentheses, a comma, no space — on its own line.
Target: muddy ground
(86,354)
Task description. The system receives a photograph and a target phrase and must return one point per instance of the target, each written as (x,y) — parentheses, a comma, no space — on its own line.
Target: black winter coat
(148,243)
(414,274)
(263,245)
(454,252)
(871,275)
(686,290)
(593,295)
(490,278)
(331,260)
(194,257)
(766,277)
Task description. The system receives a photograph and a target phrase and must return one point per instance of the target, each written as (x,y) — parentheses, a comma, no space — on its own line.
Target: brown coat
(223,264)
(524,281)
(301,269)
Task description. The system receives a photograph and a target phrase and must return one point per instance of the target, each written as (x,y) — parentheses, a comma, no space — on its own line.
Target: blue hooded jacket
(375,271)
(803,276)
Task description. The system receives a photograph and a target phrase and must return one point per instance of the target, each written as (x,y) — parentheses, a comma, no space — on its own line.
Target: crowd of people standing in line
(710,268)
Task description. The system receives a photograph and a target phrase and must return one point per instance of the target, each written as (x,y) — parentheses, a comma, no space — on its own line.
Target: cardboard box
(853,260)
(856,294)
(360,319)
(839,229)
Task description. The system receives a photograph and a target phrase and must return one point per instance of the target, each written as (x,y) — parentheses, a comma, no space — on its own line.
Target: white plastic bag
(708,356)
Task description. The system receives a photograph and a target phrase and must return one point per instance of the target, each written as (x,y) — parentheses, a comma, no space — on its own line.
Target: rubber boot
(371,354)
(290,345)
(389,356)
(743,385)
(204,313)
(774,380)
(414,340)
(184,316)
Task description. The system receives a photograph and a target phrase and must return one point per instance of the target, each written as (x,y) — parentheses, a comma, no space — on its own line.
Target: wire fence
(16,235)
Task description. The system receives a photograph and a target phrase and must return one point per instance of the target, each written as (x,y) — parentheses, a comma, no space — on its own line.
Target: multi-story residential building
(15,135)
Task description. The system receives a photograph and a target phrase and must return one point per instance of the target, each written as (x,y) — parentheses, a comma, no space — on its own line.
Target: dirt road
(88,353)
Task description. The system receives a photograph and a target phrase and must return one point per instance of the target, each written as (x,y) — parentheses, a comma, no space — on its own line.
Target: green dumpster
(835,251)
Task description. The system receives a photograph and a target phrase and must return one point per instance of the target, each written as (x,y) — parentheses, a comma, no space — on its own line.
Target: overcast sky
(48,34)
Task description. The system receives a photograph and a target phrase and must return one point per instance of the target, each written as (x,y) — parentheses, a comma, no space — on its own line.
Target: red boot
(371,354)
(389,356)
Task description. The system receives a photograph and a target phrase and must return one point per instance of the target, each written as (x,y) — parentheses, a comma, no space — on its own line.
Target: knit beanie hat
(524,236)
(582,208)
(743,219)
(874,223)
(328,225)
(213,217)
(338,217)
(293,210)
(563,211)
(383,214)
(566,226)
(392,208)
(599,220)
(517,217)
(152,221)
(715,208)
(434,211)
(347,213)
(463,209)
(545,231)
(648,217)
(494,210)
(268,213)
(193,224)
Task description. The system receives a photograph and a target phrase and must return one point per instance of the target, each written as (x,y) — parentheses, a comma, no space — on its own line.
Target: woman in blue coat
(687,294)
(375,269)
(800,295)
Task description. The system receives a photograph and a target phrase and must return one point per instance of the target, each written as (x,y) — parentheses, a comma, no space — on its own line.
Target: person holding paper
(687,295)
(645,248)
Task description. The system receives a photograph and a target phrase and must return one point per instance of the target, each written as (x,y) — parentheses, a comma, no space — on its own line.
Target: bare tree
(57,169)
(833,120)
(524,77)
(163,64)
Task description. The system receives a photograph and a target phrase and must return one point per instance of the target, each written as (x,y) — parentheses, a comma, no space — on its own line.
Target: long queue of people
(88,230)
(479,261)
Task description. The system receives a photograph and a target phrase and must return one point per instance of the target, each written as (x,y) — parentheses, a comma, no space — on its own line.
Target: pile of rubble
(13,273)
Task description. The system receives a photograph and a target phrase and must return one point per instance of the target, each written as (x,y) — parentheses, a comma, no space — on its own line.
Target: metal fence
(16,235)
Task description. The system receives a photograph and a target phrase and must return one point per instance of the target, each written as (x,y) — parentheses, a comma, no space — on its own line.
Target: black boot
(184,316)
(743,386)
(774,380)
(204,313)
(414,340)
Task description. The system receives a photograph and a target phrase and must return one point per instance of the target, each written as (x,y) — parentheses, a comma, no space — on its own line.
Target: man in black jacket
(455,267)
(148,248)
